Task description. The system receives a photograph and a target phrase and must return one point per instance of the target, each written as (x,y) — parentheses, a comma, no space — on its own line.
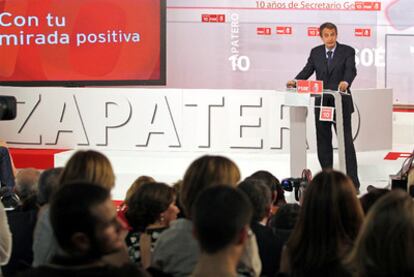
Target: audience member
(90,166)
(385,245)
(84,221)
(283,222)
(410,181)
(176,251)
(328,224)
(122,209)
(278,194)
(21,223)
(22,220)
(48,184)
(372,196)
(26,187)
(177,186)
(269,247)
(221,217)
(151,208)
(136,185)
(5,237)
(7,169)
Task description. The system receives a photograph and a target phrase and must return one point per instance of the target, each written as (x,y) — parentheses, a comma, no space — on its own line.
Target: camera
(400,180)
(298,185)
(8,107)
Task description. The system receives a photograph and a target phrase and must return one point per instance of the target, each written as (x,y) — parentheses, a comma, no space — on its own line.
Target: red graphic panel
(368,6)
(363,32)
(284,30)
(326,114)
(264,31)
(397,155)
(213,18)
(313,31)
(80,40)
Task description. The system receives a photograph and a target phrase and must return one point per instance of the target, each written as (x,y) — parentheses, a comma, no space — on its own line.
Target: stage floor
(169,167)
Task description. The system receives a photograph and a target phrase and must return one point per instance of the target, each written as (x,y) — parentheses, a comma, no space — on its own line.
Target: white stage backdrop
(250,44)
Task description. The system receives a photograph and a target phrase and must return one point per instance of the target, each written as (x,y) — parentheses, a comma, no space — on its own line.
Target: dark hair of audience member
(48,184)
(385,245)
(286,217)
(220,214)
(328,223)
(69,217)
(273,183)
(147,203)
(204,172)
(260,197)
(90,166)
(136,184)
(369,199)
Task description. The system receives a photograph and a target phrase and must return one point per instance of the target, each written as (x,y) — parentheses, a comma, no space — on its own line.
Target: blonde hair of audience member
(136,185)
(385,245)
(90,166)
(203,173)
(328,223)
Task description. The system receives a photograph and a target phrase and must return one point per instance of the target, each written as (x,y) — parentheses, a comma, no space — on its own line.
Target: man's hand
(291,84)
(343,86)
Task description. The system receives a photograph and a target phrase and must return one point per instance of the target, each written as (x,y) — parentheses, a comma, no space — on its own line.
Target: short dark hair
(71,211)
(327,25)
(285,217)
(48,184)
(373,195)
(220,213)
(259,195)
(147,203)
(272,182)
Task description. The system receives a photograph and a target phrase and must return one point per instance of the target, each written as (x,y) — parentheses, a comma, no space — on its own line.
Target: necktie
(329,58)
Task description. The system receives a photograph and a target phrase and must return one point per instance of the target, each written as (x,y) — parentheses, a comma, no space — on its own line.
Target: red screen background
(89,61)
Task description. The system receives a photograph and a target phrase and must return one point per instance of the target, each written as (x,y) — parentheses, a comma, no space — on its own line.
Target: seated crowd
(63,222)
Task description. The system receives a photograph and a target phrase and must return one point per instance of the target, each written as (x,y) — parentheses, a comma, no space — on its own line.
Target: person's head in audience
(48,184)
(328,223)
(385,245)
(177,186)
(261,198)
(278,194)
(372,196)
(26,182)
(285,218)
(153,204)
(90,166)
(136,184)
(204,172)
(410,181)
(221,216)
(85,222)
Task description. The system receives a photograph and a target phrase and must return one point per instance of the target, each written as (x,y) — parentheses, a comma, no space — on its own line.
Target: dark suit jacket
(342,69)
(270,249)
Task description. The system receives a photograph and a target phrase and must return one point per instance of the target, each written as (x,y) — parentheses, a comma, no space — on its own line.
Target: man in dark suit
(334,64)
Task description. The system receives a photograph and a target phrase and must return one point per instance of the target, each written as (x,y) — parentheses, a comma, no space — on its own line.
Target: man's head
(260,197)
(26,182)
(221,215)
(84,221)
(328,33)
